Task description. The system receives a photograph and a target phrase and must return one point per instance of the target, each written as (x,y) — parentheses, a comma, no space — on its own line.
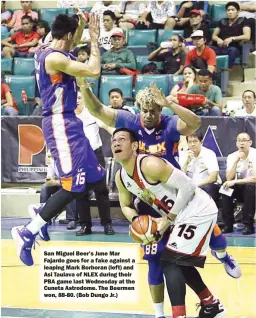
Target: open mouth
(118,151)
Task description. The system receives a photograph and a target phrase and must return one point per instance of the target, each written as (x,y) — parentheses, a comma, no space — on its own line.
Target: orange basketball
(142,227)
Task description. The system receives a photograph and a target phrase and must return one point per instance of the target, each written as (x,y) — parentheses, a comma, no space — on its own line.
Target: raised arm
(125,199)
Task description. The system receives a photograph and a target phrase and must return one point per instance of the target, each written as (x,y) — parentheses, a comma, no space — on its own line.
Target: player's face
(194,144)
(108,22)
(150,115)
(232,12)
(204,82)
(243,142)
(116,100)
(248,99)
(122,147)
(195,19)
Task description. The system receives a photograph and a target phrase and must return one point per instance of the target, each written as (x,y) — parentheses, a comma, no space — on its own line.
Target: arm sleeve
(161,56)
(188,59)
(171,11)
(218,95)
(230,162)
(211,57)
(13,36)
(212,162)
(183,58)
(126,119)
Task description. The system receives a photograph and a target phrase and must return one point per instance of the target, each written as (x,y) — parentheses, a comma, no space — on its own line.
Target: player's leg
(218,245)
(156,286)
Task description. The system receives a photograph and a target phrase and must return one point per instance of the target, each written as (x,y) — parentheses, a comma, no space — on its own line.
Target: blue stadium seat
(95,87)
(107,82)
(142,60)
(144,80)
(23,66)
(218,12)
(141,37)
(222,74)
(16,83)
(70,11)
(164,35)
(139,50)
(5,35)
(49,14)
(6,65)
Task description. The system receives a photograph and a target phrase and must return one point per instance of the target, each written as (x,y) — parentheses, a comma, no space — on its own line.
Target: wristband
(134,218)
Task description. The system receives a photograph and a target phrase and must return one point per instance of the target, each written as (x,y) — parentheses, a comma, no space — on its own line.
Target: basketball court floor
(20,284)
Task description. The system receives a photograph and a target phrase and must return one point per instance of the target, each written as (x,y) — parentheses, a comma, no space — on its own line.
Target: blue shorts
(154,251)
(75,160)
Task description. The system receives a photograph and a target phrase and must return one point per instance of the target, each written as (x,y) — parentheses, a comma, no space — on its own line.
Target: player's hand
(82,19)
(162,224)
(160,98)
(94,27)
(229,184)
(82,83)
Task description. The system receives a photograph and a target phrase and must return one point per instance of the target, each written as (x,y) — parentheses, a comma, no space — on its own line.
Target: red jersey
(5,89)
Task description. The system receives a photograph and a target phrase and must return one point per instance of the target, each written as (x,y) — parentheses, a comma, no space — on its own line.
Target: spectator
(213,103)
(116,100)
(5,17)
(91,131)
(201,165)
(230,32)
(129,13)
(241,176)
(16,22)
(173,57)
(118,56)
(100,7)
(8,104)
(24,40)
(186,7)
(202,56)
(189,79)
(248,11)
(157,15)
(194,23)
(52,185)
(42,28)
(83,54)
(249,109)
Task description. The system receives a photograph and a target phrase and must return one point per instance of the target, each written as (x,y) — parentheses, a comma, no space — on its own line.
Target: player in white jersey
(188,210)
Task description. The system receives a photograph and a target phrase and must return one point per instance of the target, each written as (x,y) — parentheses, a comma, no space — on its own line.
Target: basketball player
(76,162)
(159,135)
(191,212)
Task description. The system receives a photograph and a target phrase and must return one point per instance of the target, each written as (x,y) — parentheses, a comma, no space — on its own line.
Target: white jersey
(161,197)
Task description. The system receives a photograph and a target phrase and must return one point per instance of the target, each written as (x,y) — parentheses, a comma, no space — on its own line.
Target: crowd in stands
(190,51)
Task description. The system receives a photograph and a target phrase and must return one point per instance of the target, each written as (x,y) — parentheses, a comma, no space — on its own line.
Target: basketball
(142,229)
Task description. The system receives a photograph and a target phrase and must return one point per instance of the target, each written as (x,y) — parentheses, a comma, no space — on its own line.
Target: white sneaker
(230,264)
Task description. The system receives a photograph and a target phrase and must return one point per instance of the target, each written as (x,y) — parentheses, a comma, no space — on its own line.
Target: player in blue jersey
(157,134)
(77,164)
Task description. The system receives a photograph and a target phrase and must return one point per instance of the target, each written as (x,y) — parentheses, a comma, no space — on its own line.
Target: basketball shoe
(33,210)
(24,241)
(215,310)
(231,266)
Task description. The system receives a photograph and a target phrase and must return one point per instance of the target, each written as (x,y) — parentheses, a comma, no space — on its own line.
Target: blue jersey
(161,141)
(58,92)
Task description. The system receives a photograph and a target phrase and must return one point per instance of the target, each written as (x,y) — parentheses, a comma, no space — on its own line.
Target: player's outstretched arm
(104,113)
(156,169)
(125,199)
(188,121)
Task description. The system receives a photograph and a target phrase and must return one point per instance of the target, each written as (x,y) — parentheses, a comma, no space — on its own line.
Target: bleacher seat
(49,14)
(6,65)
(144,80)
(218,12)
(23,66)
(5,35)
(142,60)
(95,87)
(164,35)
(173,80)
(107,82)
(70,11)
(141,37)
(140,50)
(16,83)
(222,74)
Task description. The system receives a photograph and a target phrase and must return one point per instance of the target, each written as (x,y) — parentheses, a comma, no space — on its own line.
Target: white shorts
(190,236)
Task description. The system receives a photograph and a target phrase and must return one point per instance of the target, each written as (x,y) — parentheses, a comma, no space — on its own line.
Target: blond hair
(145,97)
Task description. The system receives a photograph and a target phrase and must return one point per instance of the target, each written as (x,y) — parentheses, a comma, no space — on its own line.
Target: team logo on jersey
(140,133)
(173,245)
(147,196)
(128,185)
(159,132)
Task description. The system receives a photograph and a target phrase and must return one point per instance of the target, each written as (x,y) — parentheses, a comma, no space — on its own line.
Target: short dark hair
(180,37)
(197,134)
(43,24)
(248,90)
(133,136)
(205,73)
(85,48)
(233,4)
(62,25)
(118,90)
(110,13)
(27,17)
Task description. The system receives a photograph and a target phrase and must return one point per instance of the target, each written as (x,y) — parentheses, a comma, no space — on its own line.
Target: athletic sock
(35,225)
(179,311)
(207,297)
(159,309)
(221,254)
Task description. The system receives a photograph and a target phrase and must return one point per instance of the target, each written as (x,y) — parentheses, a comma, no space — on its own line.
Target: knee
(215,111)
